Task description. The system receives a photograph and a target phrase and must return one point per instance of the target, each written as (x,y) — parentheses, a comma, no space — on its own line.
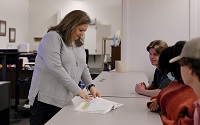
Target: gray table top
(117,87)
(134,111)
(116,84)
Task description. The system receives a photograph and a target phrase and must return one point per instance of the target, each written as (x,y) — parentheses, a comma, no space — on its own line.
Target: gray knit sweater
(58,69)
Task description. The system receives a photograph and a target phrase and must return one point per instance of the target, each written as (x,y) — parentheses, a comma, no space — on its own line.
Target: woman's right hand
(84,95)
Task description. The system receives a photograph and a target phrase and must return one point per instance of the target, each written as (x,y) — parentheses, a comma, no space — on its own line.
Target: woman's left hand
(94,92)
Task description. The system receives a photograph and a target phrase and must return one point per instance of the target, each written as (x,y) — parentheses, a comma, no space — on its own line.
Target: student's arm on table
(149,90)
(153,105)
(150,93)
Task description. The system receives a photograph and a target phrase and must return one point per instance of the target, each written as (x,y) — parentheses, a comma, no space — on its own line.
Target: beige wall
(144,21)
(16,15)
(43,13)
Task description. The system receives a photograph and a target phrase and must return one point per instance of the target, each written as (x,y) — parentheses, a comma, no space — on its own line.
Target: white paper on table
(98,105)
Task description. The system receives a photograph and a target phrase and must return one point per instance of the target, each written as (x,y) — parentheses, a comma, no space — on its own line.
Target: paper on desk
(98,105)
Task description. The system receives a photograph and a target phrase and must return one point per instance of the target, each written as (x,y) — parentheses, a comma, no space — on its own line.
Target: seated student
(169,53)
(160,79)
(175,103)
(190,70)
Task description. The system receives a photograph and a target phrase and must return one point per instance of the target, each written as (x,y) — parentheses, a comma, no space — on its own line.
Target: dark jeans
(42,112)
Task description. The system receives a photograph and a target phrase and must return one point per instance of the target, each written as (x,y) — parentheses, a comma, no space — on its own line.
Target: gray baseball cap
(190,50)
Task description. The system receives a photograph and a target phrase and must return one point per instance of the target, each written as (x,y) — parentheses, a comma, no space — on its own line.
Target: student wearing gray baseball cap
(190,70)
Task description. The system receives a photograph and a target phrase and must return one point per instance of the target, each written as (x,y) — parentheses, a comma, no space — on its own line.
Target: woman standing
(60,65)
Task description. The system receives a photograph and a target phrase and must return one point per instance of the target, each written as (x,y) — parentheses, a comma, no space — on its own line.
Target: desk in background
(15,74)
(10,56)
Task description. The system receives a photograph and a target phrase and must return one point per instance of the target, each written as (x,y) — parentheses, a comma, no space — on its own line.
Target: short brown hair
(69,22)
(194,64)
(158,45)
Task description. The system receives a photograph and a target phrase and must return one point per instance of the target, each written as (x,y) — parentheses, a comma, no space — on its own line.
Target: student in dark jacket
(160,79)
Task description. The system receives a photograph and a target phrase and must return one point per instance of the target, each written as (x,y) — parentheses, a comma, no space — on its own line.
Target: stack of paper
(98,105)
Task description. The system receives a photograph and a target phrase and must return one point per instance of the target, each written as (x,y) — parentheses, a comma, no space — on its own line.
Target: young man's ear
(190,71)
